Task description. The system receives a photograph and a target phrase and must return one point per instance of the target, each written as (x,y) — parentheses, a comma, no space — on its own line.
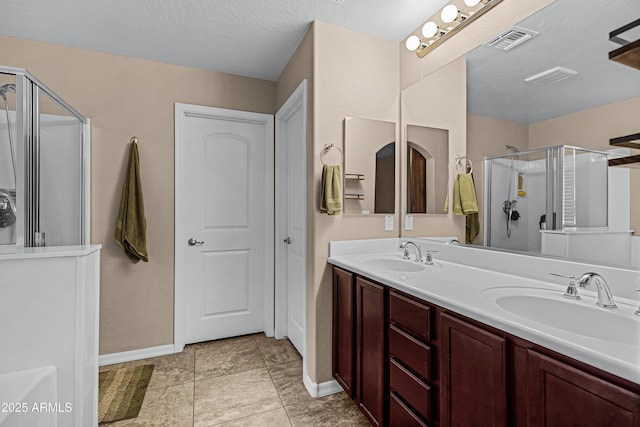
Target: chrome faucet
(572,290)
(405,246)
(605,298)
(453,242)
(429,258)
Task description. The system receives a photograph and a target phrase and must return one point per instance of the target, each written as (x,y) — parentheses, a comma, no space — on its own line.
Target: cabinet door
(563,396)
(344,329)
(473,375)
(370,349)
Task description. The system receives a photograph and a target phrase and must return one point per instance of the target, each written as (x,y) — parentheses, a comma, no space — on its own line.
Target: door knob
(287,240)
(194,242)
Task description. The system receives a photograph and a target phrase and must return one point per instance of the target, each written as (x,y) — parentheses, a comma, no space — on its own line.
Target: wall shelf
(353,196)
(354,176)
(629,53)
(628,141)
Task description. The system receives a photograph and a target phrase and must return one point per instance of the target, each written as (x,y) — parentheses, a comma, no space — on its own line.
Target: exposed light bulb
(430,29)
(413,43)
(471,3)
(449,14)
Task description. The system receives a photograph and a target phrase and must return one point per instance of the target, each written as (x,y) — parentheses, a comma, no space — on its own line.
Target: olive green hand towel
(131,225)
(465,200)
(331,191)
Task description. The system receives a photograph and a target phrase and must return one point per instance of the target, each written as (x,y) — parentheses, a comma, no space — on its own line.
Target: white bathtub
(29,398)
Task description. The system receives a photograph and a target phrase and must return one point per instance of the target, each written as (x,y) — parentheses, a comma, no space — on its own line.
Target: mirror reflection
(543,93)
(427,172)
(369,166)
(556,87)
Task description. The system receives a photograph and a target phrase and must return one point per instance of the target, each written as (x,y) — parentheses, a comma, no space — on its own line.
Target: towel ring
(326,148)
(469,165)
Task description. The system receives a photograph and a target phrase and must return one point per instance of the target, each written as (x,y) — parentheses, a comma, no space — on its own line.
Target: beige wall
(125,97)
(592,129)
(440,101)
(487,137)
(356,75)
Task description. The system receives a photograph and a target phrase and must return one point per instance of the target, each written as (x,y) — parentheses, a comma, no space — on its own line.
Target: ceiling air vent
(551,76)
(511,38)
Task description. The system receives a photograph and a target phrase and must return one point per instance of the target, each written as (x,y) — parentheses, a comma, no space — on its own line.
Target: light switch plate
(408,222)
(388,223)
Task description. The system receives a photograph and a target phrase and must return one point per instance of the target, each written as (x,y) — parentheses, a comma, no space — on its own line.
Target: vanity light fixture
(433,35)
(431,29)
(472,3)
(450,13)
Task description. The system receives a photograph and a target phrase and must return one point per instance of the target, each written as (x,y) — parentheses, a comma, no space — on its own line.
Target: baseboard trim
(323,389)
(128,356)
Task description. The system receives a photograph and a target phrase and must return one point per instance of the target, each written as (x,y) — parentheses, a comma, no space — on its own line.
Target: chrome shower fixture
(512,147)
(9,87)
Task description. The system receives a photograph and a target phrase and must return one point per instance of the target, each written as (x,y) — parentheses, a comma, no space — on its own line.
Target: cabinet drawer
(409,315)
(411,352)
(401,416)
(412,390)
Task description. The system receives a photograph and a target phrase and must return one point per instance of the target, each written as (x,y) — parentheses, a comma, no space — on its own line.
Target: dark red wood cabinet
(370,345)
(359,342)
(562,396)
(344,329)
(411,368)
(473,375)
(407,362)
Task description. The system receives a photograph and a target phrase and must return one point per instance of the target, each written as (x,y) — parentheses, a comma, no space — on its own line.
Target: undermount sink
(394,264)
(580,317)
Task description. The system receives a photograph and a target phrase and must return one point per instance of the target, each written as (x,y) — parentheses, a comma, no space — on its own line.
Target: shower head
(512,147)
(9,87)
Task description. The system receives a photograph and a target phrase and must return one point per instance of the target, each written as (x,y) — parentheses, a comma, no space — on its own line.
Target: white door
(291,214)
(224,223)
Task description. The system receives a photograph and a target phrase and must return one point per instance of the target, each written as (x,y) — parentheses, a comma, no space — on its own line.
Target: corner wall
(355,75)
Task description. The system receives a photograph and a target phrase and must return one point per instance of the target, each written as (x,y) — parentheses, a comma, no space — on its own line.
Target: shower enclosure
(44,165)
(555,188)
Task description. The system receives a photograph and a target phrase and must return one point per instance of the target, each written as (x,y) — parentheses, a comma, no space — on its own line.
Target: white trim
(298,99)
(128,356)
(86,181)
(181,111)
(323,389)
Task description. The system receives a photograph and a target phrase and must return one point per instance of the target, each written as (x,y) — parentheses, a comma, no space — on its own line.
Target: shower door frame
(554,182)
(27,156)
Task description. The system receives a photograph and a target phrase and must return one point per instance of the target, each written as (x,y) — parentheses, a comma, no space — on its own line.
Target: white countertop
(14,253)
(464,289)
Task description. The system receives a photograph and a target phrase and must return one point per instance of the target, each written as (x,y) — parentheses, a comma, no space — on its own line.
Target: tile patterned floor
(237,382)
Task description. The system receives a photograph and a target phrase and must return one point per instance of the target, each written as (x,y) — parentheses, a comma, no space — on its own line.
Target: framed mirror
(427,174)
(369,166)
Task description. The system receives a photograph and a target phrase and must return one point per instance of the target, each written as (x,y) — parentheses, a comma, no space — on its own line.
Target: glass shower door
(8,160)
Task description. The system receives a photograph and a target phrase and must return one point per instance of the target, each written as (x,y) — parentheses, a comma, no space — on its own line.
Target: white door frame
(298,99)
(181,112)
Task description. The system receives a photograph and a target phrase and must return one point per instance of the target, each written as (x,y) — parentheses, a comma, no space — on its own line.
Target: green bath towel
(464,195)
(465,203)
(331,192)
(131,225)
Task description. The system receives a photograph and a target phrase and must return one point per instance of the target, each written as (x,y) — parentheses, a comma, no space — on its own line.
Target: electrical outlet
(408,222)
(388,223)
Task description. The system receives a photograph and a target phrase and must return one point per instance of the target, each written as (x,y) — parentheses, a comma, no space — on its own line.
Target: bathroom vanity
(425,345)
(49,302)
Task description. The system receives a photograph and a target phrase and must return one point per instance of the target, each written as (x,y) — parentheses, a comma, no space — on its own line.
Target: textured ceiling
(253,38)
(573,34)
